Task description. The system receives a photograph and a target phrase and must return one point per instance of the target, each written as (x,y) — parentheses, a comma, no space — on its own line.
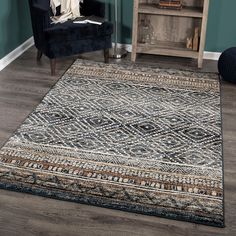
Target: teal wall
(221,32)
(15,27)
(125,18)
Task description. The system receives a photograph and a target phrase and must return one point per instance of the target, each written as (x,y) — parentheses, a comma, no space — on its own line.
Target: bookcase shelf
(167,49)
(172,27)
(195,12)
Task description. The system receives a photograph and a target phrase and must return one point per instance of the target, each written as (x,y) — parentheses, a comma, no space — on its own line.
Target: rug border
(58,196)
(91,202)
(222,148)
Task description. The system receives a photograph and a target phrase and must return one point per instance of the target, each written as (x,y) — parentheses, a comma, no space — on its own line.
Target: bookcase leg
(200,63)
(135,30)
(133,56)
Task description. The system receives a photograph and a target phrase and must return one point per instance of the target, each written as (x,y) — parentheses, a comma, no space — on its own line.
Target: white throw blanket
(70,9)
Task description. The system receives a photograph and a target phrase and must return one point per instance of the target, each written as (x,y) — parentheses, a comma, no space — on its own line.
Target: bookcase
(171,29)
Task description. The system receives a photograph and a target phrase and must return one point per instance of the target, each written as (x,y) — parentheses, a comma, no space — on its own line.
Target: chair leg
(39,55)
(53,66)
(106,55)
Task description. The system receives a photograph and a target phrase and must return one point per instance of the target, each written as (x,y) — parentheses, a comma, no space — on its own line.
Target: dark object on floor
(227,65)
(67,39)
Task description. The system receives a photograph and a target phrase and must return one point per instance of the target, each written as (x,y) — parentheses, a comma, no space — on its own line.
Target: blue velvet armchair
(67,39)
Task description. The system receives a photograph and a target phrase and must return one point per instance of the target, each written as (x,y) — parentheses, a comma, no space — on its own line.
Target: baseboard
(5,61)
(127,47)
(212,55)
(207,55)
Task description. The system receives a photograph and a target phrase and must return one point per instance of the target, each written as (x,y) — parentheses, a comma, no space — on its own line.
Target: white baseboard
(207,55)
(5,61)
(127,47)
(212,55)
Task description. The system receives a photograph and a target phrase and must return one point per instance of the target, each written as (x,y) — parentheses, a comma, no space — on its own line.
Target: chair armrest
(92,7)
(41,5)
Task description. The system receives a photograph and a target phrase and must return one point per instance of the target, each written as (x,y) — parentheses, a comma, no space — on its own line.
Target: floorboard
(23,84)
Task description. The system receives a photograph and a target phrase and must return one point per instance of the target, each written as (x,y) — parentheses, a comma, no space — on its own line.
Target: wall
(15,26)
(221,32)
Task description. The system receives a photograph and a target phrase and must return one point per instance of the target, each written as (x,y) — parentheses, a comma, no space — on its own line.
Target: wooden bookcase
(171,28)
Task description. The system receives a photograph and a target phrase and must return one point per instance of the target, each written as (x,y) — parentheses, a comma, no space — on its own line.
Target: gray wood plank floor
(22,86)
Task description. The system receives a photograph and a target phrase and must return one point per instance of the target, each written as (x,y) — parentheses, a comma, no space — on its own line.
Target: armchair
(67,39)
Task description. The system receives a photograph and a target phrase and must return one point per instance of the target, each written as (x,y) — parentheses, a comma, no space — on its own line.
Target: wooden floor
(22,86)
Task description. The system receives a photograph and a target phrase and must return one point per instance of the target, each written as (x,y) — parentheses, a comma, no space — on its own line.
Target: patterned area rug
(144,140)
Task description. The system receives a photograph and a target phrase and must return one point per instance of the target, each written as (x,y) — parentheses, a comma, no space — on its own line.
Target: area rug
(132,138)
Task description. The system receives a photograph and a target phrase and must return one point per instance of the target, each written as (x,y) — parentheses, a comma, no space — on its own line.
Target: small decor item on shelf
(170,4)
(153,38)
(141,38)
(146,31)
(196,39)
(193,41)
(189,43)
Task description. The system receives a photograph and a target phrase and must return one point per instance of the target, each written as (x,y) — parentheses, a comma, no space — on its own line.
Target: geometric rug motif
(133,138)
